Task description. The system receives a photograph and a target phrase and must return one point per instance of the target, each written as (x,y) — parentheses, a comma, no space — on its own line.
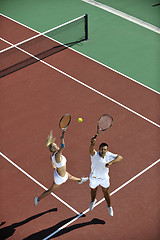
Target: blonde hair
(50,140)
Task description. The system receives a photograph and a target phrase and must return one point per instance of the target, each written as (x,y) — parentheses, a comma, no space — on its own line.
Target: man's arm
(117,159)
(92,150)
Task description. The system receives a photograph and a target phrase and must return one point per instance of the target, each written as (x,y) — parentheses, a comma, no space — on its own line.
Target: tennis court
(33,99)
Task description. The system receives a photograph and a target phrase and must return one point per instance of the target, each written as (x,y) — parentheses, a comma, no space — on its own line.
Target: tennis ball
(80,120)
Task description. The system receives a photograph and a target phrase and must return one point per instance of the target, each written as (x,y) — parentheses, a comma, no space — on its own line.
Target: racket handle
(63,134)
(94,137)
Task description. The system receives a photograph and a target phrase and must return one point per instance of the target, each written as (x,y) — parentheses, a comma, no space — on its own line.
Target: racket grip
(94,137)
(63,134)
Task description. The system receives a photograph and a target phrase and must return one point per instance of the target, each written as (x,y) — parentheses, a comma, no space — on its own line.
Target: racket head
(64,122)
(104,122)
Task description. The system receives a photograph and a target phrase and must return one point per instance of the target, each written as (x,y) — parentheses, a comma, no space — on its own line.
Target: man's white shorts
(95,182)
(58,179)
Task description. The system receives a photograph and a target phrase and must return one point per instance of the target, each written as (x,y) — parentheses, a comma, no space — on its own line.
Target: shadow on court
(23,60)
(46,232)
(8,231)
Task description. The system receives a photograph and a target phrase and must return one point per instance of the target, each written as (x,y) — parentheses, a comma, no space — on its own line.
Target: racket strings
(65,121)
(105,122)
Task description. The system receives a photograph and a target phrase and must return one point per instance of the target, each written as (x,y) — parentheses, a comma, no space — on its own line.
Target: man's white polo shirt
(98,169)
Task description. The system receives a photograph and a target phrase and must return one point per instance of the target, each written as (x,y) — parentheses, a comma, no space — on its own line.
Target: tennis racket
(64,123)
(104,122)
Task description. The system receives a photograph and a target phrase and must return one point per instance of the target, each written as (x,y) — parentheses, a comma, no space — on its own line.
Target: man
(100,162)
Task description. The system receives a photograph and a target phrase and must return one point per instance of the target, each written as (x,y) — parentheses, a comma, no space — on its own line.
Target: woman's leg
(73,178)
(79,180)
(46,193)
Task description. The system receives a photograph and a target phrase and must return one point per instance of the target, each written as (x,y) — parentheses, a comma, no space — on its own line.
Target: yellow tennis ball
(80,120)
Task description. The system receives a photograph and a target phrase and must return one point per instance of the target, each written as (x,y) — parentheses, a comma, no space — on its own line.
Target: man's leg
(107,196)
(93,193)
(93,198)
(108,200)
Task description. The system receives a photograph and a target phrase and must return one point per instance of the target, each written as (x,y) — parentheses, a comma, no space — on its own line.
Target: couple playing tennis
(100,162)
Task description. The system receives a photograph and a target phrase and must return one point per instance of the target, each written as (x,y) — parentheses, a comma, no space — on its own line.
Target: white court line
(124,15)
(34,180)
(129,78)
(85,85)
(115,191)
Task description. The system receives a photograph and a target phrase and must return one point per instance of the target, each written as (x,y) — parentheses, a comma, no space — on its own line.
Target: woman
(59,164)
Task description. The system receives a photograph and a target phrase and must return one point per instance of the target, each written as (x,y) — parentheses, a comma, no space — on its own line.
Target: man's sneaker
(36,201)
(92,205)
(83,179)
(110,209)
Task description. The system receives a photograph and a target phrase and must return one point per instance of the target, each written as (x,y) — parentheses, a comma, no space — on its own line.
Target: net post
(86,26)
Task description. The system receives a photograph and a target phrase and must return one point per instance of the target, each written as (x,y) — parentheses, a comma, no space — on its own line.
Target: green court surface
(122,45)
(146,10)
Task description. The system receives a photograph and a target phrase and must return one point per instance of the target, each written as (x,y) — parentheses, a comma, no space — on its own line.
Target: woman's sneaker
(83,179)
(36,201)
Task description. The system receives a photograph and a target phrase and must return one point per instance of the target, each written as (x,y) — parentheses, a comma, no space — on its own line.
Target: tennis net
(43,45)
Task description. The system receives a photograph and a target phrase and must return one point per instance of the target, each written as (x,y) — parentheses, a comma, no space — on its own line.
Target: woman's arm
(59,152)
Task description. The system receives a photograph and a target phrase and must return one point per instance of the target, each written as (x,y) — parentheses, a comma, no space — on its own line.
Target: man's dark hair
(103,145)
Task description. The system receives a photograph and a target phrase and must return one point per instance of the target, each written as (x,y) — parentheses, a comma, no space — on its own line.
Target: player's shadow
(8,231)
(46,232)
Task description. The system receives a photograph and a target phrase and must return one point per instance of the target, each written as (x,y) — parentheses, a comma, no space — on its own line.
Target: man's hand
(117,159)
(108,164)
(93,141)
